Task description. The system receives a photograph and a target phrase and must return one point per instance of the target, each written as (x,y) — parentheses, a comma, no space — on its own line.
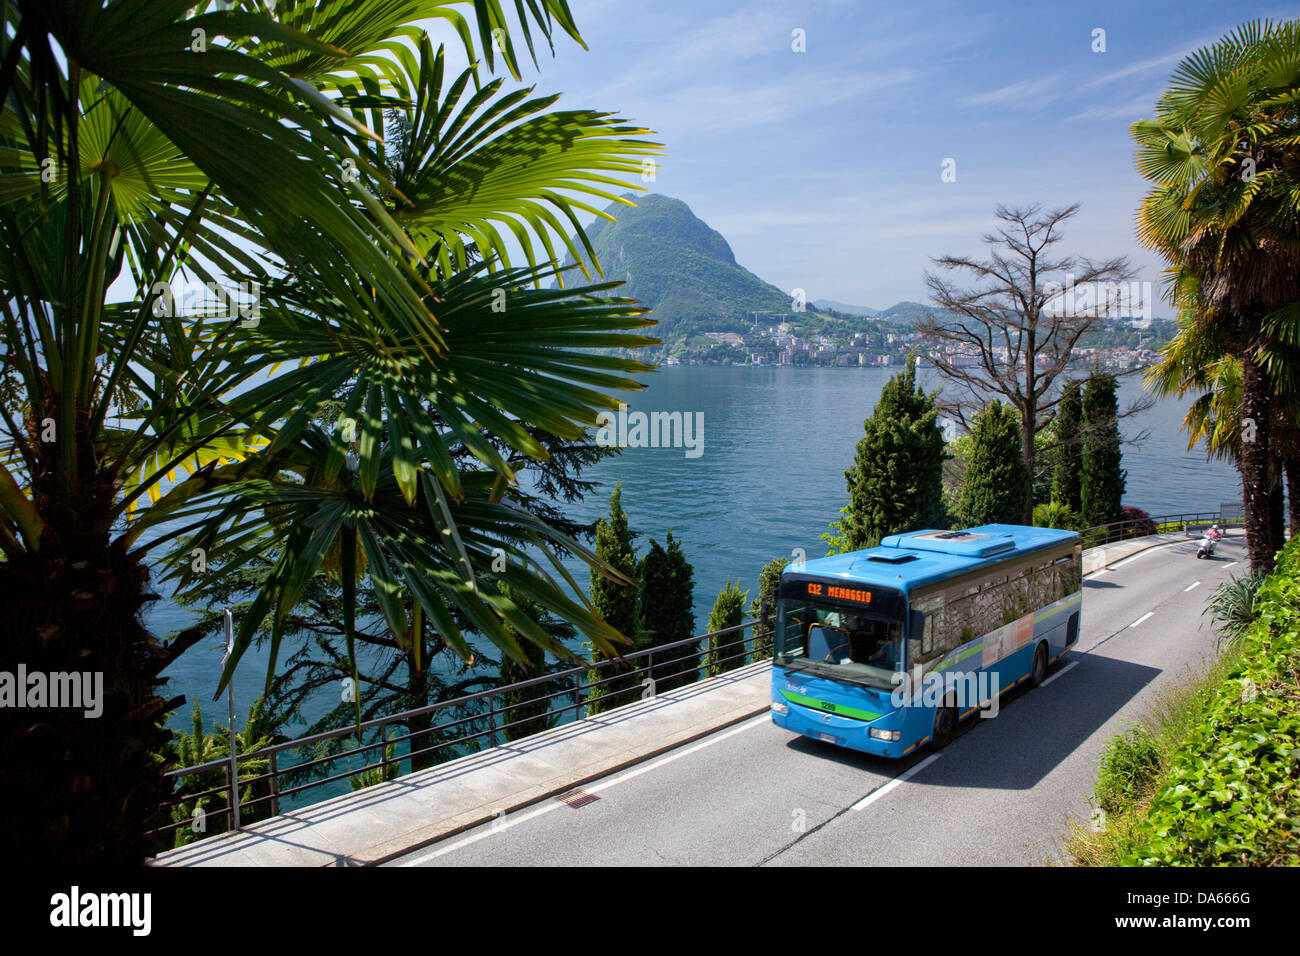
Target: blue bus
(887,649)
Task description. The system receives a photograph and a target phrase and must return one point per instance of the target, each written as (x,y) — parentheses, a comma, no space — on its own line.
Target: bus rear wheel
(945,725)
(1040,666)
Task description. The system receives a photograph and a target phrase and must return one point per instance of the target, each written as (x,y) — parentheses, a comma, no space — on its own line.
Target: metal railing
(632,677)
(1156,524)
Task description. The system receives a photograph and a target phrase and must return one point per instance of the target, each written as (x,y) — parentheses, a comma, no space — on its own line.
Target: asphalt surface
(999,794)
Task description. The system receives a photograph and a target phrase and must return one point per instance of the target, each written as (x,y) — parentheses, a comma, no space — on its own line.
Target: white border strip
(1064,670)
(879,792)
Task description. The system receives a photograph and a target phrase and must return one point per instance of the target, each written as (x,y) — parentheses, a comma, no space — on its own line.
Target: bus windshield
(850,643)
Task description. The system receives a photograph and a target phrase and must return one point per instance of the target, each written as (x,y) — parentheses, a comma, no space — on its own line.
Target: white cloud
(1025,94)
(1129,110)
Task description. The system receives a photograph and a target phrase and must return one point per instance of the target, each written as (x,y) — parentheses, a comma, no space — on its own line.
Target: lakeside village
(1114,344)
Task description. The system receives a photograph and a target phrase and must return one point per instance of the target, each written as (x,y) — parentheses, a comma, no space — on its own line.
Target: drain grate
(577,798)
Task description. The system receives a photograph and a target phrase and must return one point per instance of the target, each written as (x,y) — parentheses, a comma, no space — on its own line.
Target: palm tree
(1201,359)
(144,144)
(1224,211)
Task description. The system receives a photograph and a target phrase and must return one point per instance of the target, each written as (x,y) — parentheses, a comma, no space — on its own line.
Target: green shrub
(1231,795)
(1129,763)
(1054,514)
(1233,605)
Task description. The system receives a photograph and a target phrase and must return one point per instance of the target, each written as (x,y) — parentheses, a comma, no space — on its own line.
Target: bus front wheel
(945,724)
(1040,666)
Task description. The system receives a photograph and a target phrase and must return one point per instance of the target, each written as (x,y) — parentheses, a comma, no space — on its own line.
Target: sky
(823,168)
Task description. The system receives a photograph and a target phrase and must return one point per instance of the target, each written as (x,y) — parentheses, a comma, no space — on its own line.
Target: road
(999,794)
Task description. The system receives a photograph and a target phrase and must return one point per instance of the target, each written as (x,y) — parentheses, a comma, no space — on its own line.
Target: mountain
(905,313)
(680,267)
(685,271)
(847,309)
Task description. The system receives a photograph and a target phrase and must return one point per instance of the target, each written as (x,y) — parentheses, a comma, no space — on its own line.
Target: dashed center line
(1142,618)
(1230,564)
(1192,586)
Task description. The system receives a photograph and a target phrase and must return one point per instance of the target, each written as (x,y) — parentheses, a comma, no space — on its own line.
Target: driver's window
(827,643)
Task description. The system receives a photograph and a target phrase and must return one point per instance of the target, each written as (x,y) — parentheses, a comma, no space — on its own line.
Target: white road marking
(1142,618)
(504,823)
(1230,564)
(1151,550)
(1192,586)
(879,792)
(1063,670)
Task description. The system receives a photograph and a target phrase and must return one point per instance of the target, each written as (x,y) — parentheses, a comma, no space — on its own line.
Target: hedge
(1232,791)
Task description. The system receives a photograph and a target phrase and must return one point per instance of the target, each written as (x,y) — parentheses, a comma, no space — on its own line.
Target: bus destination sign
(837,593)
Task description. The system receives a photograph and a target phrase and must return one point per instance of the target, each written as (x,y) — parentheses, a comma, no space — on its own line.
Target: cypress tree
(1067,426)
(996,484)
(896,482)
(618,604)
(769,579)
(728,611)
(667,611)
(1101,484)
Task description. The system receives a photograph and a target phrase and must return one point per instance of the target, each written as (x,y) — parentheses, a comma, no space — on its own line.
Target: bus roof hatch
(968,544)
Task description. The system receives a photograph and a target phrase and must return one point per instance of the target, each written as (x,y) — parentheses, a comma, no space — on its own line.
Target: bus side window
(927,617)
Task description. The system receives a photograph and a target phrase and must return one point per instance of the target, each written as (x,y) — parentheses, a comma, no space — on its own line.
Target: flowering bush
(1143,526)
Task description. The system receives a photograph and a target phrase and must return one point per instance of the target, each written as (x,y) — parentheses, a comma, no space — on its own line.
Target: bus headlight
(780,708)
(879,734)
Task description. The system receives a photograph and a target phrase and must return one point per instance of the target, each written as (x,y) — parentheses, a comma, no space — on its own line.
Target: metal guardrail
(1156,524)
(626,683)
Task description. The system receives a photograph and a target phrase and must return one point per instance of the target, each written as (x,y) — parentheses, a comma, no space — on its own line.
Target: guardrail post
(492,722)
(232,773)
(577,696)
(275,784)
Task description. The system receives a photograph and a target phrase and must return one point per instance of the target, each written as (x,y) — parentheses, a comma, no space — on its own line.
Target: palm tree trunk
(1292,467)
(1256,485)
(82,782)
(418,724)
(1277,513)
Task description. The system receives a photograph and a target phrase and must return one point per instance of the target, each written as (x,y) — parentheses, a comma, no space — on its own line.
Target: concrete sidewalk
(389,819)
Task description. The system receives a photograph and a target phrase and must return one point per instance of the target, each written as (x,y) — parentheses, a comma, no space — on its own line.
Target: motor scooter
(1206,548)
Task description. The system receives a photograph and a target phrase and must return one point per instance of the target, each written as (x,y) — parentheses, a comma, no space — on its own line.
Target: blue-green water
(770,480)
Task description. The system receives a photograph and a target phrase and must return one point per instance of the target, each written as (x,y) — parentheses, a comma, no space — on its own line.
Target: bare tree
(1011,334)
